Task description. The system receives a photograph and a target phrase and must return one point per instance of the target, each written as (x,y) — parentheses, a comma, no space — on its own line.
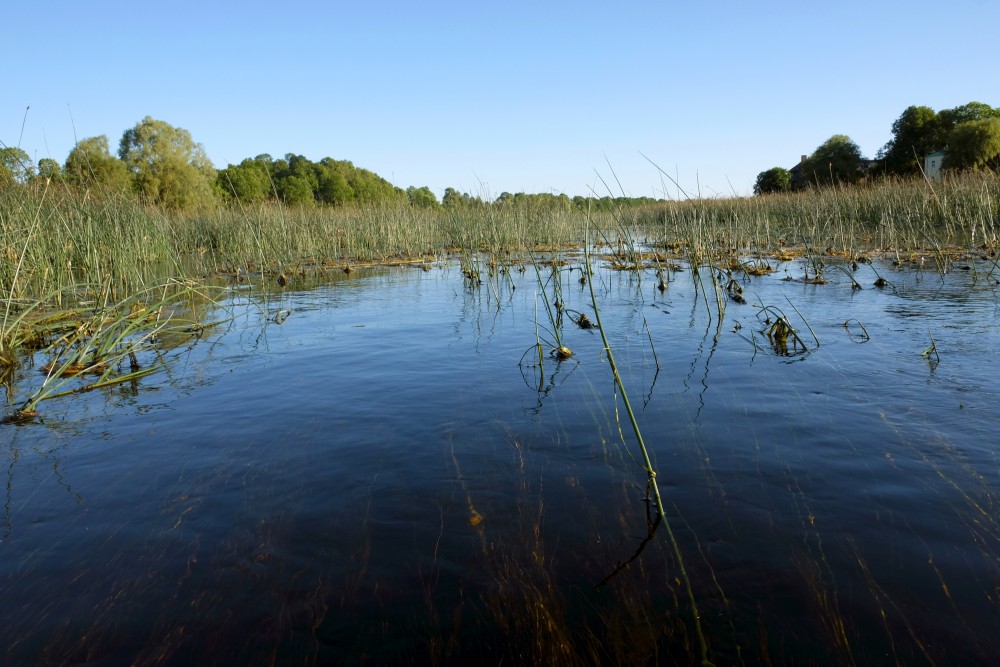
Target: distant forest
(164,166)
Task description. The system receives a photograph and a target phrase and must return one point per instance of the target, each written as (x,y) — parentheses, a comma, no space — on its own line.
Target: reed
(886,215)
(94,348)
(651,486)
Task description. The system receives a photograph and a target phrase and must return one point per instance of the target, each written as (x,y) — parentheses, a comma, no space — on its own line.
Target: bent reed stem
(650,472)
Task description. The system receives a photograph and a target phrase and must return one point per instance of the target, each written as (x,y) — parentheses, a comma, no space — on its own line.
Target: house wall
(932,166)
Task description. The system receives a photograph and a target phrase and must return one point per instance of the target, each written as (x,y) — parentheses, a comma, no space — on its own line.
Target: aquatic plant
(94,348)
(652,488)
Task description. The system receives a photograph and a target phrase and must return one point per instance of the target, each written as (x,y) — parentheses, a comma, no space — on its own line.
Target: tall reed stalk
(648,467)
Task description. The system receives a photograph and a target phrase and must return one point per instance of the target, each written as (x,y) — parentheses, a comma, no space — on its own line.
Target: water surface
(386,478)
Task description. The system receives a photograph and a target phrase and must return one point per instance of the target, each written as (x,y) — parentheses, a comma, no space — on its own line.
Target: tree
(49,169)
(949,119)
(837,160)
(296,190)
(776,179)
(333,185)
(15,165)
(167,166)
(91,165)
(247,182)
(422,197)
(974,144)
(915,134)
(451,198)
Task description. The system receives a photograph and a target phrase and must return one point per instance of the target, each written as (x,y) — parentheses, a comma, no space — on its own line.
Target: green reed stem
(650,472)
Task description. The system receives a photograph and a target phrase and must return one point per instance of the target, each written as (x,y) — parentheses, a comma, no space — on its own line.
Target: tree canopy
(15,165)
(422,197)
(920,130)
(168,167)
(165,166)
(50,169)
(836,160)
(91,165)
(775,179)
(297,181)
(974,144)
(914,134)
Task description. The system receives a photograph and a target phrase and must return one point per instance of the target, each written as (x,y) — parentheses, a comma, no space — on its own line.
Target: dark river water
(385,477)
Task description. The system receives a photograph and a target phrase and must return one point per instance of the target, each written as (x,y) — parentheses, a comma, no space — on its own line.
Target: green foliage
(91,165)
(49,169)
(248,182)
(297,190)
(974,144)
(837,160)
(168,167)
(920,131)
(949,119)
(334,188)
(454,199)
(15,165)
(297,181)
(422,197)
(914,134)
(776,179)
(370,188)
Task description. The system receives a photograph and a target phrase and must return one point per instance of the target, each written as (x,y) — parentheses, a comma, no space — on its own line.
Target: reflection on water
(383,475)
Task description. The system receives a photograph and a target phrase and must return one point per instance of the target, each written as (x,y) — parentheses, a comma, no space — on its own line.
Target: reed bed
(957,215)
(78,236)
(90,236)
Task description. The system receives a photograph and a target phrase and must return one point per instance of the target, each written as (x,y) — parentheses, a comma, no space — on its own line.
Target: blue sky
(492,97)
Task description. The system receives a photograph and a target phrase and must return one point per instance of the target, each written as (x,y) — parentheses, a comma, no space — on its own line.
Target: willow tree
(168,168)
(974,145)
(91,165)
(15,165)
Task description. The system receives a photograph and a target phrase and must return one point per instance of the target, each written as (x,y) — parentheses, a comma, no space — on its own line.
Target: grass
(88,236)
(101,345)
(887,216)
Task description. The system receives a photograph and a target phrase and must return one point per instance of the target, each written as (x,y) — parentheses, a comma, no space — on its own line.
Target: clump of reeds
(83,349)
(884,215)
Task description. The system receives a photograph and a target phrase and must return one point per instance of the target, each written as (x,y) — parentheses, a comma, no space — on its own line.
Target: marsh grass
(88,348)
(85,237)
(886,216)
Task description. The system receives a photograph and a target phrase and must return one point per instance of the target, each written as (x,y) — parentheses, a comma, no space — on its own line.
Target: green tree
(296,180)
(247,182)
(949,119)
(915,134)
(452,198)
(91,165)
(974,144)
(775,179)
(49,169)
(167,166)
(334,187)
(422,197)
(15,165)
(837,160)
(296,190)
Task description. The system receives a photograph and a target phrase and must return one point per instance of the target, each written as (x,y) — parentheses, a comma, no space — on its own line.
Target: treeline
(968,135)
(164,166)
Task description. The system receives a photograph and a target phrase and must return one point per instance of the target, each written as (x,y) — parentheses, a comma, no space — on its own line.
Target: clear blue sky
(491,97)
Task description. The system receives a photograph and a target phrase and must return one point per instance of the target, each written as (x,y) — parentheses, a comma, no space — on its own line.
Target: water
(378,480)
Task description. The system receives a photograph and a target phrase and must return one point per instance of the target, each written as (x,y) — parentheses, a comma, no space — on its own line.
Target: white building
(932,166)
